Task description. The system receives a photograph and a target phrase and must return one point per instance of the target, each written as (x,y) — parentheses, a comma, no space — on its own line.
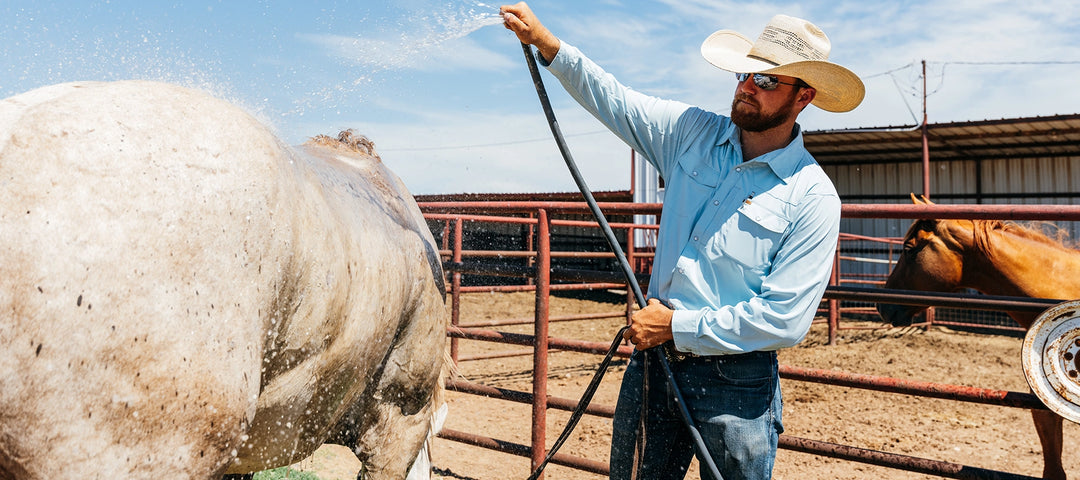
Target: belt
(674,355)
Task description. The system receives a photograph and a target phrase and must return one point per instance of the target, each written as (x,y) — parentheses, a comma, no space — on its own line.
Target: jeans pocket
(741,388)
(746,372)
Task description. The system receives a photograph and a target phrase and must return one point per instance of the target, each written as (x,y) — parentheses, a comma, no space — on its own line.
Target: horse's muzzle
(898,315)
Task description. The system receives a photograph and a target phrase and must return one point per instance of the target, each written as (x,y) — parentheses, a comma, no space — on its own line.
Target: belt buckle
(674,355)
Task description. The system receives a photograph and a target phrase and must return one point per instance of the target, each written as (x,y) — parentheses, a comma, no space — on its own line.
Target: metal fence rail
(546,278)
(831,377)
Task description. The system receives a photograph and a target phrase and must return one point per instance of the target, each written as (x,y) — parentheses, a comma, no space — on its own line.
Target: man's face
(756,110)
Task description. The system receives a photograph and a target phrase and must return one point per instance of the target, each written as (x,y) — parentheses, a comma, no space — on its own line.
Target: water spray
(631,280)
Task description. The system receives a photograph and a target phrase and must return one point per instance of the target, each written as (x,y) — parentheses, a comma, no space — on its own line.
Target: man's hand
(650,326)
(520,19)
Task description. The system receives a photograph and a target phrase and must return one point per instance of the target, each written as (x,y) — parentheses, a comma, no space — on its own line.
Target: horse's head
(932,260)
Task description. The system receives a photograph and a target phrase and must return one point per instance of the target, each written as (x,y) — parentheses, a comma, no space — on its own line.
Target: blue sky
(446,96)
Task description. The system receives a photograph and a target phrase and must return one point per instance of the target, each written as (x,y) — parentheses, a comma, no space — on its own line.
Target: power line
(909,65)
(486,145)
(897,69)
(898,88)
(941,76)
(1048,62)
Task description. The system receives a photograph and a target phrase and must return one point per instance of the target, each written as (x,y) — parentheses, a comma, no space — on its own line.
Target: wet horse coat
(995,258)
(183,296)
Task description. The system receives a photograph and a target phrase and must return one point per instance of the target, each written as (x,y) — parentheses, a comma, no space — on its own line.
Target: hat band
(791,42)
(763,59)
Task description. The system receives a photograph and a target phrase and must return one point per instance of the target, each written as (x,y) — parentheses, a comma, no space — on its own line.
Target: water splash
(489,16)
(412,44)
(268,52)
(414,48)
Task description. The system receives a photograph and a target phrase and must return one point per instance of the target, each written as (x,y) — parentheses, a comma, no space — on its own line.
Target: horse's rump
(171,275)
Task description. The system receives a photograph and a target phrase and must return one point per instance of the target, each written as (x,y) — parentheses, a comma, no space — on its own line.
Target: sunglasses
(766,82)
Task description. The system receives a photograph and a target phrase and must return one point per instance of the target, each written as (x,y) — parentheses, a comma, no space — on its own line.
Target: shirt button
(716,202)
(695,238)
(738,169)
(693,173)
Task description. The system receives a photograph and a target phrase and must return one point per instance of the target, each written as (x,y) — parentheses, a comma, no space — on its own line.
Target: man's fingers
(628,335)
(512,21)
(513,17)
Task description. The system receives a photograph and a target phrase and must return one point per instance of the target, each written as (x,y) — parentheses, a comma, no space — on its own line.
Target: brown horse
(995,258)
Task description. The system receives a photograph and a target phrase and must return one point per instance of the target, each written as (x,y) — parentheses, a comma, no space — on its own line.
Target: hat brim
(838,89)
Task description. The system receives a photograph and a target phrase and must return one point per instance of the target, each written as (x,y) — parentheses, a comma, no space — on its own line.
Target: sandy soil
(991,437)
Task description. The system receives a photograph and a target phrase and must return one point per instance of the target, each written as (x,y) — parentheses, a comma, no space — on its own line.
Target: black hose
(631,280)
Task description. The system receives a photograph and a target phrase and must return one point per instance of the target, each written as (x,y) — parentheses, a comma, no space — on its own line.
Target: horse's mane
(348,140)
(1035,231)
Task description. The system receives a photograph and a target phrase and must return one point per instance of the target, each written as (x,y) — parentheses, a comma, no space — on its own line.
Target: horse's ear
(920,200)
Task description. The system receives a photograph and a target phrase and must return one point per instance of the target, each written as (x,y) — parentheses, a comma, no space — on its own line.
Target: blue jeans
(734,400)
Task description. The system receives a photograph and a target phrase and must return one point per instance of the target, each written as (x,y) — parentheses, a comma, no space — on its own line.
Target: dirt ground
(991,437)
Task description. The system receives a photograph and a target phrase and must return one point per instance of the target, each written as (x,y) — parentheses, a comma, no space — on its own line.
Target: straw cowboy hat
(793,47)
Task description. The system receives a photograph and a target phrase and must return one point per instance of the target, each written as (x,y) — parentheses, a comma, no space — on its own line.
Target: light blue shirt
(745,248)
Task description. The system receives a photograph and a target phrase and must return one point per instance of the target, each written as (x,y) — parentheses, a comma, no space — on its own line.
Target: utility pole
(925,140)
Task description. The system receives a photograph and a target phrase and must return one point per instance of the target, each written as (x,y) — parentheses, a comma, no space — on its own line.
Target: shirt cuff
(543,61)
(562,59)
(684,327)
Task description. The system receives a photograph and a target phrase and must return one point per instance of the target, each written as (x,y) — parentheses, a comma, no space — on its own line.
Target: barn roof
(1032,137)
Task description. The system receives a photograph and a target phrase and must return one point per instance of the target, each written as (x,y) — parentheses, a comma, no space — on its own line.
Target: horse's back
(127,311)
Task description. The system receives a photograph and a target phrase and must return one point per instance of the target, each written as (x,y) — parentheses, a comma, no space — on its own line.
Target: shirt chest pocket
(752,236)
(698,173)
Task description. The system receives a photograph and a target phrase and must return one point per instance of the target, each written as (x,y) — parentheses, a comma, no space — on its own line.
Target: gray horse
(182,296)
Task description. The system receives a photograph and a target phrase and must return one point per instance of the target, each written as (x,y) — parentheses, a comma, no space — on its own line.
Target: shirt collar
(783,162)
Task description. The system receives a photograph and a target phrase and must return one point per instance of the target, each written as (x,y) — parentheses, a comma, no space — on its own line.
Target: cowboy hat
(793,47)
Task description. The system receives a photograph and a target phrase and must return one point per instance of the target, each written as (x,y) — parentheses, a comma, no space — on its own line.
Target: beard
(756,120)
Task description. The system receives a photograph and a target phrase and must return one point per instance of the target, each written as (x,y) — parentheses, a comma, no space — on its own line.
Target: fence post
(455,289)
(530,246)
(446,235)
(540,348)
(630,257)
(834,305)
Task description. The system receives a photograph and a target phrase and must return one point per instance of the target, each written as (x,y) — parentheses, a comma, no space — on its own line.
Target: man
(747,235)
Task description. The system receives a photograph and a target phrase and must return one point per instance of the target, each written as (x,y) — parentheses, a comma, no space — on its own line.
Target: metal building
(1023,160)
